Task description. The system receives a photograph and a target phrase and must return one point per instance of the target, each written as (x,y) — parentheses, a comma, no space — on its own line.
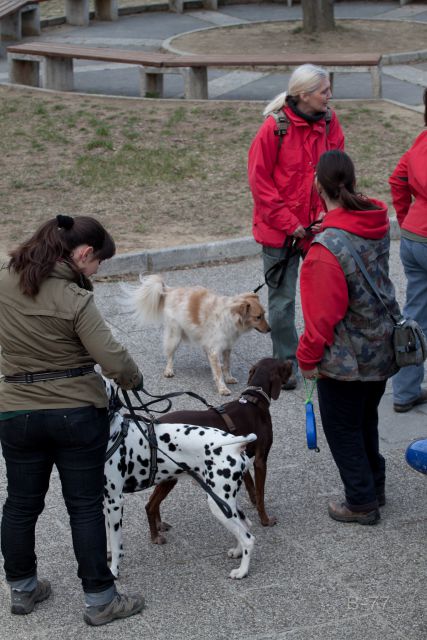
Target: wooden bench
(56,65)
(19,18)
(77,12)
(178,5)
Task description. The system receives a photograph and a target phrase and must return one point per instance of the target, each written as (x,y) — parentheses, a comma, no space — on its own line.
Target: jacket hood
(63,271)
(372,224)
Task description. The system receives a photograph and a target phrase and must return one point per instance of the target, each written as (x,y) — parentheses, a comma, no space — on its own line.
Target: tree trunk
(309,16)
(317,15)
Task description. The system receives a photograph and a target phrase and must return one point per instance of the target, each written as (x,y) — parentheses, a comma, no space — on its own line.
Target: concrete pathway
(310,578)
(150,30)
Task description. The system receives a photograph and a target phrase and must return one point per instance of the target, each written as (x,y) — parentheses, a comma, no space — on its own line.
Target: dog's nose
(266,330)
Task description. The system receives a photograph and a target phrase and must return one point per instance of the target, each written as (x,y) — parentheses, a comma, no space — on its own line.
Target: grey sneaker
(121,606)
(23,602)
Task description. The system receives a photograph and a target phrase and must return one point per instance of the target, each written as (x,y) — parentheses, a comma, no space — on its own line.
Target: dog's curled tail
(243,441)
(147,300)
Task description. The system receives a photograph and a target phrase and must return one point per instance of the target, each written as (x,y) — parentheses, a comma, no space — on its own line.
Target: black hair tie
(64,222)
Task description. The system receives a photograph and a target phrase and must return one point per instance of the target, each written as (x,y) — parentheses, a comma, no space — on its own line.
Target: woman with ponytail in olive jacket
(54,407)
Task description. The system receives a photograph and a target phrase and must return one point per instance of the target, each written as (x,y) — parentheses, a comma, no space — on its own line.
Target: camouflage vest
(362,348)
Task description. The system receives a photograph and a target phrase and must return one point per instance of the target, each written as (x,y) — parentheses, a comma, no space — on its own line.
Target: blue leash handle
(310,419)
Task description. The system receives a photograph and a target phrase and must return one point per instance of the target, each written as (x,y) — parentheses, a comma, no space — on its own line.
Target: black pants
(349,412)
(75,440)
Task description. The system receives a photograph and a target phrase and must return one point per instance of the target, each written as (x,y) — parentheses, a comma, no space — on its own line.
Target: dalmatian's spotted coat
(216,456)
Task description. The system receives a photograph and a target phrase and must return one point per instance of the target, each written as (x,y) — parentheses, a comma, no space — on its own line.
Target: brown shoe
(340,511)
(403,408)
(291,384)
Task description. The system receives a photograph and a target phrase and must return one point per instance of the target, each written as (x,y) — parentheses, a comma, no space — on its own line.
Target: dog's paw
(231,380)
(238,574)
(159,539)
(168,373)
(234,553)
(268,522)
(115,571)
(223,391)
(163,526)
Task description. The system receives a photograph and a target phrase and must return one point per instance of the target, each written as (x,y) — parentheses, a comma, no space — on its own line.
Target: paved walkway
(149,30)
(310,578)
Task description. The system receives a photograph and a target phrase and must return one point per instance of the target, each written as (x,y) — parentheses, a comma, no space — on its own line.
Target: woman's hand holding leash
(299,232)
(315,227)
(310,374)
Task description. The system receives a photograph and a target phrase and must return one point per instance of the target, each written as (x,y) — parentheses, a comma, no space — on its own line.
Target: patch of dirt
(351,36)
(158,173)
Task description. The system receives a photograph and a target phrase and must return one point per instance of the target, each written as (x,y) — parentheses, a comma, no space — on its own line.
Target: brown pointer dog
(249,414)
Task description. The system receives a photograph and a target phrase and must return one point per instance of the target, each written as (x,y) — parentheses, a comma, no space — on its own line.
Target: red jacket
(324,294)
(408,184)
(282,183)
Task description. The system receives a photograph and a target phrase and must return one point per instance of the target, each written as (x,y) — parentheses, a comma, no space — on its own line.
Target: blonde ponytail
(275,104)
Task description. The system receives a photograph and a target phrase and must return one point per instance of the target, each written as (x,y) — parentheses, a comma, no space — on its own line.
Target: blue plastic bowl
(416,455)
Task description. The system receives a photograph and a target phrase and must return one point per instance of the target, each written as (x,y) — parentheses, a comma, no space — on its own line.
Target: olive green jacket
(60,328)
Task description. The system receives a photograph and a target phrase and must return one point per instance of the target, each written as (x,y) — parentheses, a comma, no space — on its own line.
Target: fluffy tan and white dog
(213,321)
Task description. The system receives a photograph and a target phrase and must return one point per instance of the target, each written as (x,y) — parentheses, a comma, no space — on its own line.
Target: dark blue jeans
(75,440)
(349,412)
(407,382)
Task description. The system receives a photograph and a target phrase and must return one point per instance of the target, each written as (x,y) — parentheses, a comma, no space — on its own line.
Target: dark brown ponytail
(336,175)
(54,241)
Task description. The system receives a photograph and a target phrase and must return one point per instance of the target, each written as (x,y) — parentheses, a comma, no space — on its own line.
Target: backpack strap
(283,122)
(328,118)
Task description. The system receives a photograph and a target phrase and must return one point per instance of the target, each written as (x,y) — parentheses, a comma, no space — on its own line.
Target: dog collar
(258,390)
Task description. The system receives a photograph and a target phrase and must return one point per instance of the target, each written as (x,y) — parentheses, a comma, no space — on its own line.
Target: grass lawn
(158,173)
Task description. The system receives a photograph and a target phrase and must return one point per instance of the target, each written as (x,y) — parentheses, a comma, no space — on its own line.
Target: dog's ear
(251,373)
(284,371)
(241,309)
(276,387)
(245,308)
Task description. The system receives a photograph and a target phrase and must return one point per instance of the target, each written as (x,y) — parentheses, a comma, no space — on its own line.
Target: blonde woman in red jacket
(409,192)
(281,172)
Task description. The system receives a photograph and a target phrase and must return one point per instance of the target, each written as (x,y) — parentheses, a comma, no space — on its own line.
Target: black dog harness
(149,435)
(152,440)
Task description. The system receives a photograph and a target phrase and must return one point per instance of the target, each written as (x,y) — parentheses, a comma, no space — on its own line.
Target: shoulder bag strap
(348,243)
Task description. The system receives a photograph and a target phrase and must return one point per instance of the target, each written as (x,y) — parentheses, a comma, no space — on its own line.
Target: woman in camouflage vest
(347,340)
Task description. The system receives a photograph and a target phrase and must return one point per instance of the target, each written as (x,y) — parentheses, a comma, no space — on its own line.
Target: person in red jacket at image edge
(347,340)
(409,192)
(281,181)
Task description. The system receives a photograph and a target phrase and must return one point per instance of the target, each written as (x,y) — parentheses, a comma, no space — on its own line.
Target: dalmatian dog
(216,457)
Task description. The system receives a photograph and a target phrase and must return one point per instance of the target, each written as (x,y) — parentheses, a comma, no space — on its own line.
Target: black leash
(115,405)
(164,398)
(224,506)
(273,277)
